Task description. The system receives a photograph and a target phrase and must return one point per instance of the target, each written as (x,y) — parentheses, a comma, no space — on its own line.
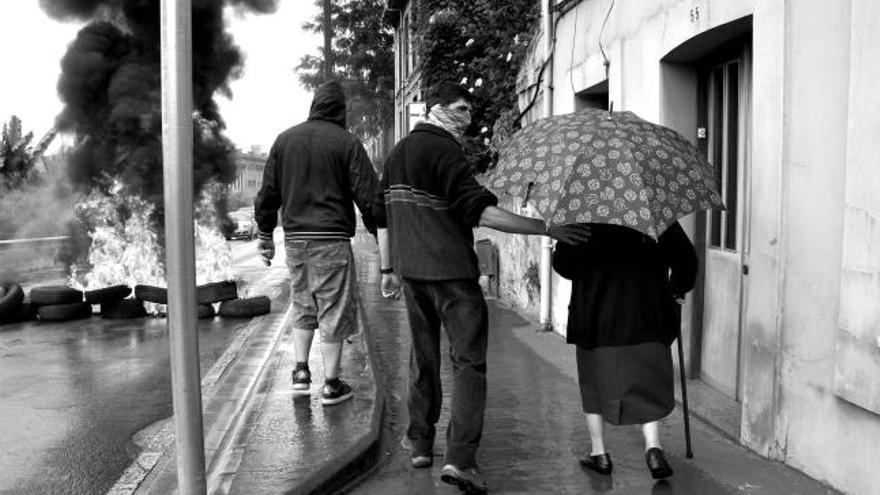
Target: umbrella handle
(528,193)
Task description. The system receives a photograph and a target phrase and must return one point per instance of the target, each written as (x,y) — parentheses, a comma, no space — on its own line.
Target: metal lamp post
(177,152)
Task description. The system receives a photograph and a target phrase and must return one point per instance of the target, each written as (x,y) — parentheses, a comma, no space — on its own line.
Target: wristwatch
(386,271)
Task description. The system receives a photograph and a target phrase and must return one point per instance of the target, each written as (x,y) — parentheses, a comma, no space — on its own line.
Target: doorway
(723,88)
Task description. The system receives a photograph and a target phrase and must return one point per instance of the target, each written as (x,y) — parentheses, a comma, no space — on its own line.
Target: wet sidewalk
(534,427)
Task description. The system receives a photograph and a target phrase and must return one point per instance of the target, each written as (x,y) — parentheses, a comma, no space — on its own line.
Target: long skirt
(631,384)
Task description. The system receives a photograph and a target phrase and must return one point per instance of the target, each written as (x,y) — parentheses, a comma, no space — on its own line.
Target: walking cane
(684,398)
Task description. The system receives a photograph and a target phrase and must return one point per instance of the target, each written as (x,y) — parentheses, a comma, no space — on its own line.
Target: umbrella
(596,166)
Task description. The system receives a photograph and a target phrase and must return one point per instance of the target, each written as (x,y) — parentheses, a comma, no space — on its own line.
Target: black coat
(624,285)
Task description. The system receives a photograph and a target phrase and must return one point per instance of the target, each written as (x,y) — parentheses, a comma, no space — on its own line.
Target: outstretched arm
(506,221)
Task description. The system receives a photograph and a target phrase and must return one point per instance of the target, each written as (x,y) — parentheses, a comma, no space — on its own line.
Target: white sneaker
(467,480)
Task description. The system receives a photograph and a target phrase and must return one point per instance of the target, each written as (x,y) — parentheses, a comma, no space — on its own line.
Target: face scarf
(453,121)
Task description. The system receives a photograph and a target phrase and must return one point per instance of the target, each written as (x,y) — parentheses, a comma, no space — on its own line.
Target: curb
(358,461)
(154,469)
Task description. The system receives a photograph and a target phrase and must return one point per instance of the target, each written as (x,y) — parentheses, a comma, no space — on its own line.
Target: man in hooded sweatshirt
(315,171)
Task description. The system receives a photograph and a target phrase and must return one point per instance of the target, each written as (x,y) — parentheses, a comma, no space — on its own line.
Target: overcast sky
(267,99)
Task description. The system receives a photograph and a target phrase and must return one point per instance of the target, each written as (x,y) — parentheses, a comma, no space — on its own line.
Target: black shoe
(469,480)
(301,378)
(334,395)
(657,464)
(600,463)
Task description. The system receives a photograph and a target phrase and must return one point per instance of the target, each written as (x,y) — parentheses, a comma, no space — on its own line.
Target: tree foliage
(363,55)
(17,157)
(480,43)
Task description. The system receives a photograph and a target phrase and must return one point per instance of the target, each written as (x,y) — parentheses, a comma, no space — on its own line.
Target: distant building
(249,174)
(408,105)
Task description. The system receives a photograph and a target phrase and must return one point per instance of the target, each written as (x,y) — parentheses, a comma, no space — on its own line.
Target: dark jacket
(430,201)
(624,285)
(314,172)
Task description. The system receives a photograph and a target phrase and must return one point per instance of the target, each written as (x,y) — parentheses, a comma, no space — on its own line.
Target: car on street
(245,224)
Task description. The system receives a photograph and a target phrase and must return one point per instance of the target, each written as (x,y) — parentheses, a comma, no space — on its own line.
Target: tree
(363,60)
(17,158)
(481,44)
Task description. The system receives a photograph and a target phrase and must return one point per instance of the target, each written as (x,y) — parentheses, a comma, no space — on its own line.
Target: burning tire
(217,292)
(108,295)
(24,312)
(65,312)
(245,308)
(123,309)
(151,294)
(55,295)
(11,299)
(205,311)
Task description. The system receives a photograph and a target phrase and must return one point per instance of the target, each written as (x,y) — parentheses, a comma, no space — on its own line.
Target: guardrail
(25,260)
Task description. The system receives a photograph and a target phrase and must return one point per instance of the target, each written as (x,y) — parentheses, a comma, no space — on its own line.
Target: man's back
(314,172)
(433,203)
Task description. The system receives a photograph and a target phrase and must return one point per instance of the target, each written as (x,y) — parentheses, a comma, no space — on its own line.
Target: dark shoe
(422,459)
(600,463)
(657,464)
(469,480)
(301,378)
(331,395)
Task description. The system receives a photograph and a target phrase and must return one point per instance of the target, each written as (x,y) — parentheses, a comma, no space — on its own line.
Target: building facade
(408,104)
(248,175)
(784,322)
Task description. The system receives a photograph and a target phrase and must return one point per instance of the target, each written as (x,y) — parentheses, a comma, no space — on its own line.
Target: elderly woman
(623,315)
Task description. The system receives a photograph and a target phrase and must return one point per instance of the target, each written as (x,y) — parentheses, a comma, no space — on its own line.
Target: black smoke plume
(110,85)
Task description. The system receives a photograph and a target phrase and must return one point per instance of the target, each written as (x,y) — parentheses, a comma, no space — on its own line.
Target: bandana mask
(453,121)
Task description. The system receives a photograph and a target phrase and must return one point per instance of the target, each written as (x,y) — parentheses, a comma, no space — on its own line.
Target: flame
(124,245)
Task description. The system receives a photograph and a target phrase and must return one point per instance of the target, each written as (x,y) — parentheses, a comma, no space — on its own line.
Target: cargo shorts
(323,292)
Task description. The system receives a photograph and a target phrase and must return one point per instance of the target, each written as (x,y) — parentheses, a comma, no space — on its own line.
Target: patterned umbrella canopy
(606,167)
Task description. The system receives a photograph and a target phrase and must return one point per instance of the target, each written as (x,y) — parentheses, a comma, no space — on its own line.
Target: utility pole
(328,42)
(177,152)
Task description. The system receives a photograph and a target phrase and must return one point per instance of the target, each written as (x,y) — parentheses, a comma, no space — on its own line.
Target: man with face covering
(315,171)
(426,208)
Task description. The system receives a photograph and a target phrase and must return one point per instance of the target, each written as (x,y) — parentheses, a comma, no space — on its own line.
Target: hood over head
(329,103)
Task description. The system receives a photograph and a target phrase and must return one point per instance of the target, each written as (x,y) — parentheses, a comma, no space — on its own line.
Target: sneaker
(301,378)
(336,395)
(469,480)
(422,459)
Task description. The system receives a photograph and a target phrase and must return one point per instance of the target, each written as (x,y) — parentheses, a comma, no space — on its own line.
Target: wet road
(73,394)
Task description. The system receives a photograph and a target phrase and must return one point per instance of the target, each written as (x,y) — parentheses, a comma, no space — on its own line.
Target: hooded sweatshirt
(315,171)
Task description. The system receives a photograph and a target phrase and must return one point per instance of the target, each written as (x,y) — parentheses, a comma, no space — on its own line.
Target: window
(723,134)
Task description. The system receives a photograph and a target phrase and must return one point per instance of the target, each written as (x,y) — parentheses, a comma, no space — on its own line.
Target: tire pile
(62,303)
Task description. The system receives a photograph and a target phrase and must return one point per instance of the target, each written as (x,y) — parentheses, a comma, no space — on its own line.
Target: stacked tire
(59,303)
(13,308)
(62,303)
(230,305)
(115,304)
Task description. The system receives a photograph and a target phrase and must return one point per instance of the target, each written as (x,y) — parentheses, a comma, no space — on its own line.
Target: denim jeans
(460,307)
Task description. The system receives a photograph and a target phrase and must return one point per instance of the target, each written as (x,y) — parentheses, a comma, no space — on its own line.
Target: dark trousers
(460,307)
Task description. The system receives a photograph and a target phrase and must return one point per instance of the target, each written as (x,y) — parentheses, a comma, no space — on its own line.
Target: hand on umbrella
(576,233)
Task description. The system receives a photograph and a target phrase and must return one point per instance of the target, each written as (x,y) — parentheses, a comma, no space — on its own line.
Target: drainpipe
(546,242)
